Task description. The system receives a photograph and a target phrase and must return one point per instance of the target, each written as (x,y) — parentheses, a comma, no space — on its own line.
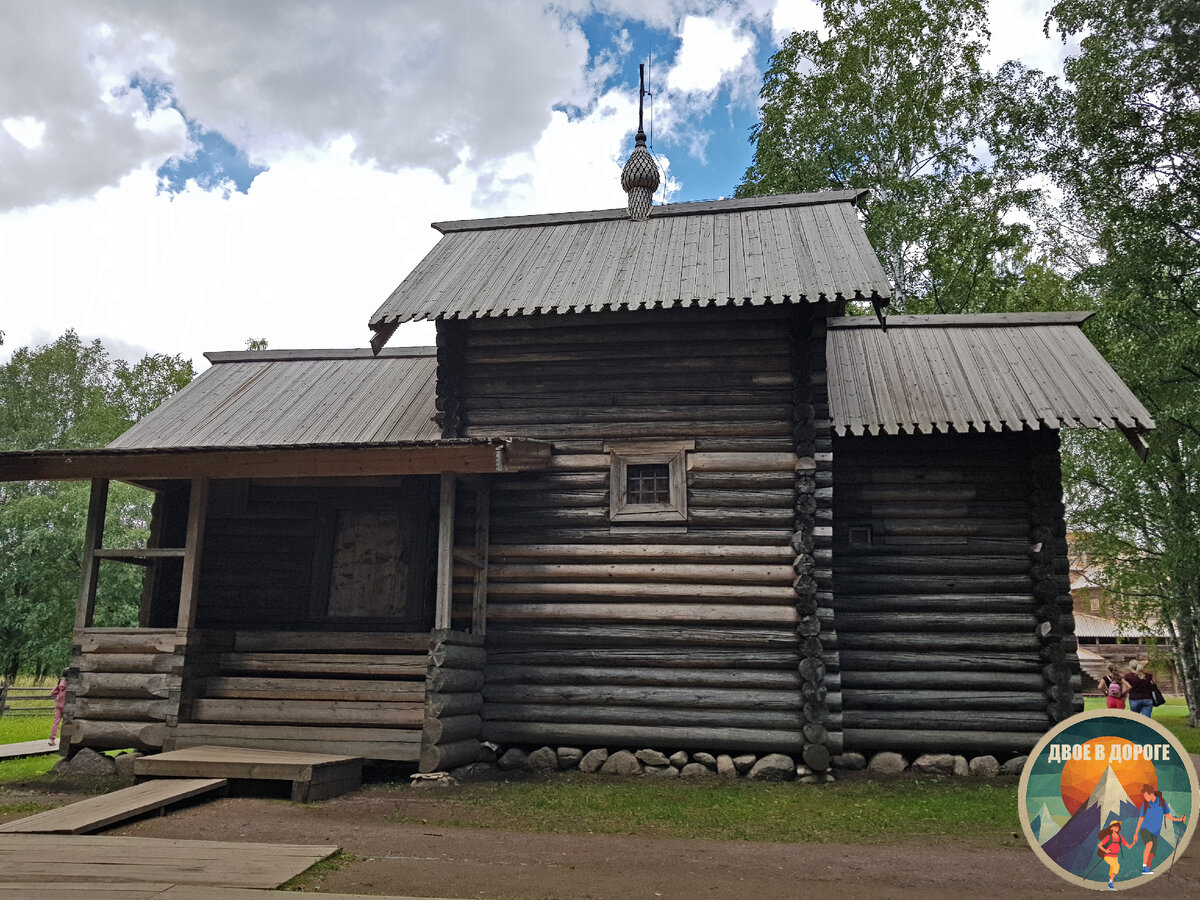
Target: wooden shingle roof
(282,398)
(788,248)
(962,373)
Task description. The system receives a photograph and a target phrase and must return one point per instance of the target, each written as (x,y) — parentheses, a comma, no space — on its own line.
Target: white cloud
(1016,27)
(711,50)
(797,15)
(26,131)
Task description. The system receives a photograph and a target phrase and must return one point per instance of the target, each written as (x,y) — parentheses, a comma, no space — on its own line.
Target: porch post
(93,540)
(445,557)
(483,502)
(189,586)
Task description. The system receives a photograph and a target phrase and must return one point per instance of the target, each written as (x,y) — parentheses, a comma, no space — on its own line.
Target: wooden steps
(314,776)
(97,812)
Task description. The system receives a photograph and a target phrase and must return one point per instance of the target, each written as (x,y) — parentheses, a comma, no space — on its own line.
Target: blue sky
(181,177)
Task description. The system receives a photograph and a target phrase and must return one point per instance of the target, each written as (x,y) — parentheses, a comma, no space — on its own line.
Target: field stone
(802,770)
(569,757)
(662,771)
(88,762)
(1014,765)
(593,760)
(543,759)
(705,759)
(424,784)
(123,763)
(621,763)
(725,766)
(773,767)
(473,771)
(887,763)
(679,759)
(744,763)
(934,764)
(652,758)
(852,761)
(513,758)
(960,766)
(984,766)
(810,779)
(694,769)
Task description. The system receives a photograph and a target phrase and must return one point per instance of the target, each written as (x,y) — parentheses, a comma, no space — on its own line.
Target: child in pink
(60,702)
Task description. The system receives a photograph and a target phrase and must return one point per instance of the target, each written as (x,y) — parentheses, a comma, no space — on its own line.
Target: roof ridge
(692,207)
(227,356)
(966,320)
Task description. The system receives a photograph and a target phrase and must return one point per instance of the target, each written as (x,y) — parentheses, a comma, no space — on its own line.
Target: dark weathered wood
(398,745)
(93,539)
(748,677)
(442,757)
(727,661)
(127,709)
(644,716)
(360,665)
(452,656)
(453,681)
(686,738)
(102,735)
(333,689)
(597,634)
(131,662)
(437,705)
(333,641)
(189,589)
(623,695)
(938,719)
(915,740)
(918,697)
(449,729)
(120,684)
(310,712)
(148,640)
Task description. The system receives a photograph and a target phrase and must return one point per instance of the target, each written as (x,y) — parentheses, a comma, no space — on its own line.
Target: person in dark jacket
(1141,689)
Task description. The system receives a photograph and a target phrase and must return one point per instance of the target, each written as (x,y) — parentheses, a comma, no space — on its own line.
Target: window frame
(622,455)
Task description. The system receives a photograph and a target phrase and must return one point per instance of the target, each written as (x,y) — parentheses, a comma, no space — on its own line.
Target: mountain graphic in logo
(1074,845)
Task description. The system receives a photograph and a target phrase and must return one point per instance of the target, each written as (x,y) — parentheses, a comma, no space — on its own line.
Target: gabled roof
(787,248)
(973,373)
(297,397)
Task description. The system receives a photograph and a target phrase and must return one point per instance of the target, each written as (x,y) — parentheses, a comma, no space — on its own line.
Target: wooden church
(652,489)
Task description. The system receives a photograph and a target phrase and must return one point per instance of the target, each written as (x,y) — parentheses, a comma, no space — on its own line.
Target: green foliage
(894,99)
(68,394)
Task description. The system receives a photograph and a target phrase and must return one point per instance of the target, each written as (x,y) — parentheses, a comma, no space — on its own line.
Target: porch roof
(290,413)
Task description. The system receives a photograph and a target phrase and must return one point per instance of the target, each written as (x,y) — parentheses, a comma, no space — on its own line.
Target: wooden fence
(25,701)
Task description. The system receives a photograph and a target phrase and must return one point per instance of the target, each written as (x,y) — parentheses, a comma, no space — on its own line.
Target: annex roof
(1006,371)
(786,248)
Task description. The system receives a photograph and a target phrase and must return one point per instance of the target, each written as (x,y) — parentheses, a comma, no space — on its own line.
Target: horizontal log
(498,592)
(149,640)
(331,641)
(933,564)
(750,740)
(623,674)
(881,583)
(936,622)
(954,528)
(593,634)
(930,660)
(933,699)
(310,712)
(391,745)
(124,709)
(442,758)
(1025,645)
(523,533)
(340,690)
(932,602)
(454,638)
(599,714)
(869,740)
(362,665)
(116,735)
(690,573)
(690,553)
(948,720)
(893,680)
(131,662)
(449,656)
(454,681)
(120,684)
(727,661)
(619,695)
(438,705)
(452,728)
(737,613)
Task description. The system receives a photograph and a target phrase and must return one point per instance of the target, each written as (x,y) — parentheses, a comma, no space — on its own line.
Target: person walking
(1114,687)
(1140,689)
(60,704)
(1110,849)
(1151,815)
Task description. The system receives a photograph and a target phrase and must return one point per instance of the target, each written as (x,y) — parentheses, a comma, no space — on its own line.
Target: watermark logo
(1107,799)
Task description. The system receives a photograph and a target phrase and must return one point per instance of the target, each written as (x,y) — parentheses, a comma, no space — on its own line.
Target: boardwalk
(27,748)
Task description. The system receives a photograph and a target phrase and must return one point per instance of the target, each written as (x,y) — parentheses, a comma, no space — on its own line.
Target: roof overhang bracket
(1135,438)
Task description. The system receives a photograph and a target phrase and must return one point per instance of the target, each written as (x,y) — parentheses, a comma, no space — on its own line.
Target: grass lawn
(927,810)
(16,729)
(1174,715)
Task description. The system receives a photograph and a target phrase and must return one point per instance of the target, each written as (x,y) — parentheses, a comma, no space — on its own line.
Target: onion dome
(640,178)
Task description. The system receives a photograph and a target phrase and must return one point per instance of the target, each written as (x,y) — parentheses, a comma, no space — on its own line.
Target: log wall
(671,636)
(124,688)
(942,607)
(453,701)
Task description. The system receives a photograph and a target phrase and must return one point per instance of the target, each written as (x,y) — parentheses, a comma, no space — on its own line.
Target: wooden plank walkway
(97,812)
(314,776)
(27,748)
(157,891)
(93,860)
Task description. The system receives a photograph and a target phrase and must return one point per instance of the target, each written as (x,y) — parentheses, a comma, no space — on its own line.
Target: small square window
(860,535)
(648,481)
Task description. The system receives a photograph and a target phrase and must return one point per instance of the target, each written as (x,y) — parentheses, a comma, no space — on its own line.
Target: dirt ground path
(435,861)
